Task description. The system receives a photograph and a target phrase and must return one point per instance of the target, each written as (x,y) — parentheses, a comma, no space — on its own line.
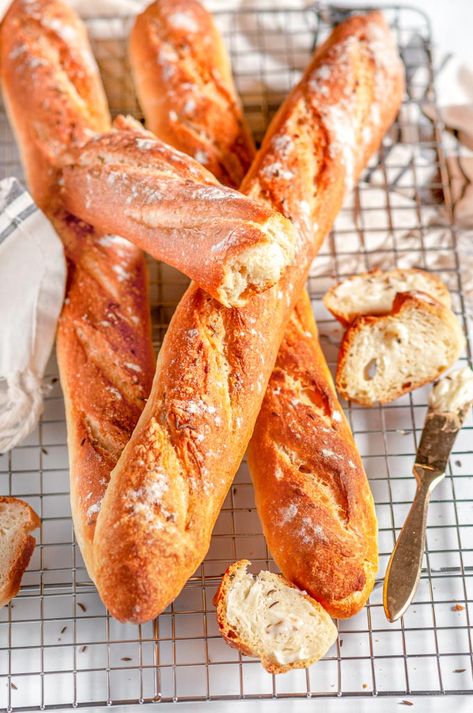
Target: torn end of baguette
(266,616)
(260,266)
(382,358)
(374,292)
(17,520)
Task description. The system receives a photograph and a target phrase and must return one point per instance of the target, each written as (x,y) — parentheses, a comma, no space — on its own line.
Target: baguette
(311,490)
(55,101)
(299,363)
(383,357)
(17,520)
(166,491)
(266,616)
(172,207)
(184,84)
(374,292)
(51,90)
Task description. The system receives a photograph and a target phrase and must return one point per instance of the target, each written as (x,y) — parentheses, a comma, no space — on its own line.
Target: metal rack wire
(59,647)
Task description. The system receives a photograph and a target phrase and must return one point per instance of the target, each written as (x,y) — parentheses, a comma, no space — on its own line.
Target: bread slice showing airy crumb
(17,520)
(374,292)
(383,357)
(266,616)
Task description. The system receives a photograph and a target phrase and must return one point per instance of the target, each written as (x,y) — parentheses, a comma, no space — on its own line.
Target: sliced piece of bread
(266,616)
(374,292)
(383,357)
(17,520)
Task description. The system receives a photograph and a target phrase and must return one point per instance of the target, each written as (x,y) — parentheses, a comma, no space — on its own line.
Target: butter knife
(450,401)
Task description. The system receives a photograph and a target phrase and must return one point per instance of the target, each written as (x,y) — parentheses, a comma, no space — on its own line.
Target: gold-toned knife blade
(450,403)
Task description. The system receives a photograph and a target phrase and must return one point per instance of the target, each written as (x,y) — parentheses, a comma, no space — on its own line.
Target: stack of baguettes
(146,489)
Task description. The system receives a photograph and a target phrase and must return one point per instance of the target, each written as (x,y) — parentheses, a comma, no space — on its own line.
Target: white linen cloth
(32,281)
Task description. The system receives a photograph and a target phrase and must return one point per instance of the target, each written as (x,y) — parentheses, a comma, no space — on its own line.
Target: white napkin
(32,282)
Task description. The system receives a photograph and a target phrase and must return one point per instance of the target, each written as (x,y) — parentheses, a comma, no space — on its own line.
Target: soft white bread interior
(383,357)
(374,292)
(265,616)
(17,520)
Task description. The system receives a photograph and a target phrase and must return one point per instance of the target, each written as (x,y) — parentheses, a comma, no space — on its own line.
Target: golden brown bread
(50,87)
(172,207)
(312,494)
(166,491)
(17,520)
(55,100)
(300,365)
(106,362)
(185,87)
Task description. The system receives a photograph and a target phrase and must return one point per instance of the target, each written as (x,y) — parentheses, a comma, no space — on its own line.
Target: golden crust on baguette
(105,359)
(166,491)
(383,357)
(311,490)
(172,207)
(266,616)
(290,369)
(184,84)
(17,520)
(52,90)
(55,101)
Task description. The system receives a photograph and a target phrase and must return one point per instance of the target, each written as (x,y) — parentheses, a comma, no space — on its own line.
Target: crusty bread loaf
(185,87)
(17,520)
(266,616)
(165,493)
(296,367)
(383,357)
(55,100)
(374,292)
(311,491)
(50,87)
(172,207)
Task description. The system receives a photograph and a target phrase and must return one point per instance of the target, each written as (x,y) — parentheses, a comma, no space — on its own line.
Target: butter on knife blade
(449,403)
(453,393)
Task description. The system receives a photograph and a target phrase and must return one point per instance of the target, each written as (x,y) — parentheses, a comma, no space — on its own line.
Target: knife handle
(404,567)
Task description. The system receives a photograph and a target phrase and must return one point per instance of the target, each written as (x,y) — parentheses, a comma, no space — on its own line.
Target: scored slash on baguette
(17,520)
(266,616)
(383,357)
(374,292)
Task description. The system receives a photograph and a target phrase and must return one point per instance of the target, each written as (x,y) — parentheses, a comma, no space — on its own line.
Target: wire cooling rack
(59,647)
